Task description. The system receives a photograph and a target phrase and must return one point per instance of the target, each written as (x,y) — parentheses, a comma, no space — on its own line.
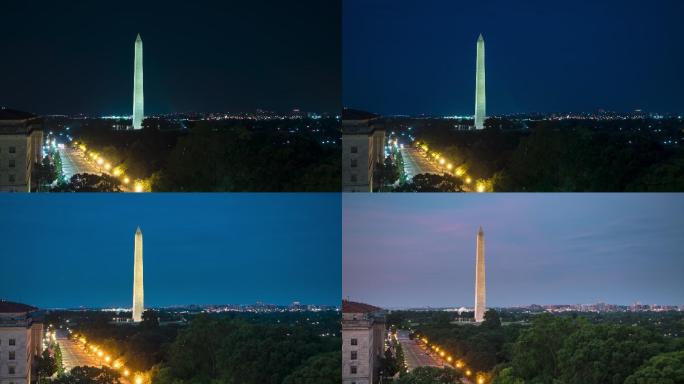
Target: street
(73,162)
(73,354)
(415,163)
(414,355)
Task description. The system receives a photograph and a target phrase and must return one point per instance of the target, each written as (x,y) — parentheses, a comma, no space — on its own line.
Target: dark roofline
(13,307)
(354,307)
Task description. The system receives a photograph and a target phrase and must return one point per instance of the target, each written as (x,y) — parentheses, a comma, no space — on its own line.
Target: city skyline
(408,58)
(199,249)
(416,251)
(240,56)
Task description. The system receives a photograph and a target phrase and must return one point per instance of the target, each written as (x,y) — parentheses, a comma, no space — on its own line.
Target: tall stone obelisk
(480,98)
(138,297)
(480,292)
(138,98)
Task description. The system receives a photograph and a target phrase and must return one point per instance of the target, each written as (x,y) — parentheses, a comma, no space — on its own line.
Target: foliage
(149,319)
(430,375)
(429,182)
(89,375)
(240,155)
(58,359)
(564,155)
(86,182)
(665,368)
(231,350)
(47,364)
(491,319)
(386,173)
(324,368)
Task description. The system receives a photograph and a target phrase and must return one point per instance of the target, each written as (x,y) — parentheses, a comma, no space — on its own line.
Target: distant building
(21,141)
(21,339)
(363,148)
(363,336)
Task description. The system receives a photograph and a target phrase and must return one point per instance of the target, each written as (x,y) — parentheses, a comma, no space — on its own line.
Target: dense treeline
(570,155)
(571,348)
(288,155)
(290,347)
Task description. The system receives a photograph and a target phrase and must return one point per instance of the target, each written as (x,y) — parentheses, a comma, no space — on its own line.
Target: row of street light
(456,363)
(459,171)
(102,163)
(107,360)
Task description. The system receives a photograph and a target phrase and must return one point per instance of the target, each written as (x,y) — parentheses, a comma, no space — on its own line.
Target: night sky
(418,57)
(416,250)
(77,56)
(77,250)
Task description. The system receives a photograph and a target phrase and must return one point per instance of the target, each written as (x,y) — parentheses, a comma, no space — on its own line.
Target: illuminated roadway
(414,355)
(73,354)
(73,162)
(415,163)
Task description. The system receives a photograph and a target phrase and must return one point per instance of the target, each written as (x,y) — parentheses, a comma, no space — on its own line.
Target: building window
(11,355)
(352,370)
(12,341)
(354,149)
(353,178)
(354,341)
(11,370)
(12,149)
(11,180)
(354,163)
(12,163)
(354,355)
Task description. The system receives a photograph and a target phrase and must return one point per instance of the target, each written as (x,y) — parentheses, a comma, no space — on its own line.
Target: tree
(666,368)
(386,173)
(606,353)
(86,182)
(47,365)
(430,375)
(429,182)
(89,375)
(535,353)
(323,368)
(149,319)
(491,319)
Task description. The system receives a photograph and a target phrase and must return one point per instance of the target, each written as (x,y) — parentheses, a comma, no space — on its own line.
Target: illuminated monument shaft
(480,292)
(138,98)
(138,305)
(480,99)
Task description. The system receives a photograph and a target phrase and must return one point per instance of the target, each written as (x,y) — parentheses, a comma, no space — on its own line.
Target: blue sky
(68,250)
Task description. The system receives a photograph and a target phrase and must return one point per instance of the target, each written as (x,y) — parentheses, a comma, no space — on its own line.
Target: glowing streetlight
(108,166)
(108,359)
(441,161)
(117,172)
(468,180)
(100,161)
(480,187)
(468,373)
(138,379)
(480,380)
(126,372)
(459,171)
(126,180)
(449,166)
(441,353)
(138,187)
(99,353)
(449,359)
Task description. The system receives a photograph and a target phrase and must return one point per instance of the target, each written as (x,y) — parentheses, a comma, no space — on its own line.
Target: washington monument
(138,305)
(138,98)
(480,293)
(480,99)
